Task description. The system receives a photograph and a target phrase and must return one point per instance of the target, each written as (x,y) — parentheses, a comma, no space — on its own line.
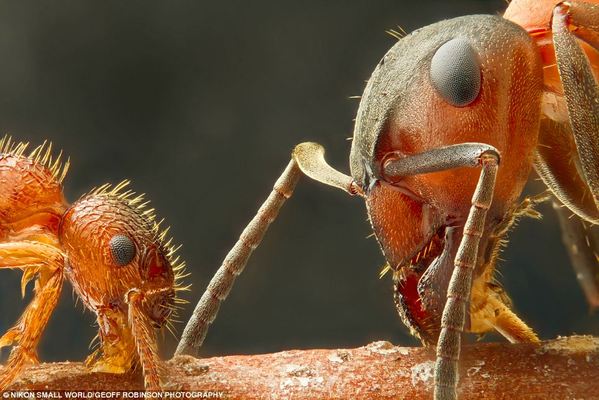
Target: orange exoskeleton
(452,121)
(108,245)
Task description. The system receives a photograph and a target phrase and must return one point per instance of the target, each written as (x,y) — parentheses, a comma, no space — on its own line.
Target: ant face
(442,85)
(113,247)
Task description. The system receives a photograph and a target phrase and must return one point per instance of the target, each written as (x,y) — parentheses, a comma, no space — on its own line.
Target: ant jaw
(416,293)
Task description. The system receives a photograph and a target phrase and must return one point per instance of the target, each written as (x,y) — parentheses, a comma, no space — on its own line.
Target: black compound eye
(455,72)
(122,249)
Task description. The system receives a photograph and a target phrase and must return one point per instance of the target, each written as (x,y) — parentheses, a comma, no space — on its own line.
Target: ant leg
(579,141)
(460,284)
(582,242)
(580,87)
(583,16)
(556,162)
(34,259)
(145,340)
(458,293)
(307,158)
(490,306)
(28,330)
(27,253)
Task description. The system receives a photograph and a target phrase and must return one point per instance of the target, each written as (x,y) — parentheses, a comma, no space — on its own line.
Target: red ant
(108,244)
(450,124)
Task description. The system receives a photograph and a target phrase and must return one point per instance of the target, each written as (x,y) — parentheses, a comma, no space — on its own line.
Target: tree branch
(564,368)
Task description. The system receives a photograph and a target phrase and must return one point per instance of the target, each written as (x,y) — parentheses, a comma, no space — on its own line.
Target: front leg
(145,340)
(458,293)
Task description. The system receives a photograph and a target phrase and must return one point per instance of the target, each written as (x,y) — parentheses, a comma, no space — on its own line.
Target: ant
(110,247)
(451,122)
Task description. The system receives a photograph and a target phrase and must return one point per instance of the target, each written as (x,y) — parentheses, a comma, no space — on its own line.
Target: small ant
(108,244)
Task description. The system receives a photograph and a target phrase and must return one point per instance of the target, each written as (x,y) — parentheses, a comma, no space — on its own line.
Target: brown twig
(565,368)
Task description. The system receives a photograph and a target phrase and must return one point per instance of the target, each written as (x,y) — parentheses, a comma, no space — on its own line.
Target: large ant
(109,246)
(450,124)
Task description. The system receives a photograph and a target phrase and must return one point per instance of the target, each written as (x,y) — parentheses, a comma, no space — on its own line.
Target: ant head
(114,246)
(469,79)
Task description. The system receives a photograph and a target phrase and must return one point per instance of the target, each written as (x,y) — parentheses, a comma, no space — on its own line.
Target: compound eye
(122,249)
(455,72)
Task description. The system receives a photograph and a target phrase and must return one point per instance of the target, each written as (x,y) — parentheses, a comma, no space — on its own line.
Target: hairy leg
(459,291)
(145,341)
(26,334)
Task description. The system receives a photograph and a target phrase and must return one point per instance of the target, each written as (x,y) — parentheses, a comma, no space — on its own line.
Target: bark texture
(564,368)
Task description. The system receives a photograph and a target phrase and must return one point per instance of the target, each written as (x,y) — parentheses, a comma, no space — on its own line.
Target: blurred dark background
(200,103)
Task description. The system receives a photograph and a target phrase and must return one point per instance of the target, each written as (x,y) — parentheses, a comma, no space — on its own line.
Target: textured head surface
(469,79)
(401,103)
(113,246)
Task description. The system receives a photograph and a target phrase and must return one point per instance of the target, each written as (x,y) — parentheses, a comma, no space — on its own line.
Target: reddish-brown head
(469,79)
(113,246)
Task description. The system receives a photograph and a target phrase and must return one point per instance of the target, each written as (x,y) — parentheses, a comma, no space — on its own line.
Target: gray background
(200,103)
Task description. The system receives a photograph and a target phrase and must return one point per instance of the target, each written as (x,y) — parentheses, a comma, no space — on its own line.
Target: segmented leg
(45,261)
(145,341)
(582,244)
(24,254)
(460,284)
(458,293)
(307,158)
(32,257)
(28,331)
(490,306)
(580,87)
(560,170)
